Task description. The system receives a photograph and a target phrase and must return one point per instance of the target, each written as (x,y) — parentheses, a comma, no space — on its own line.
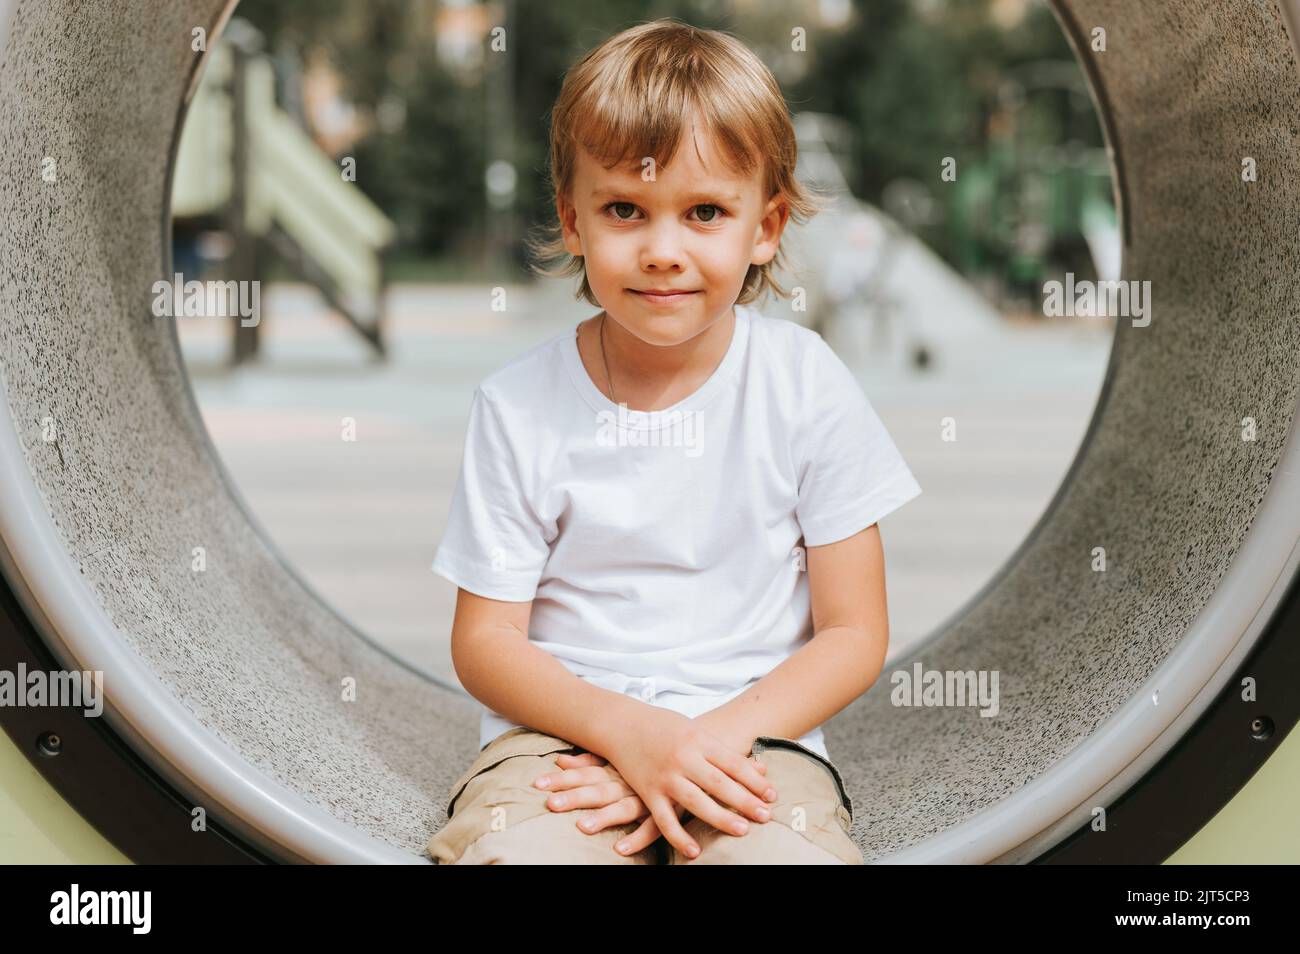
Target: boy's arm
(497,664)
(844,658)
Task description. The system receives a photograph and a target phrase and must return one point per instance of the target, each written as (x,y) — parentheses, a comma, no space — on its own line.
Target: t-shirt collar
(641,420)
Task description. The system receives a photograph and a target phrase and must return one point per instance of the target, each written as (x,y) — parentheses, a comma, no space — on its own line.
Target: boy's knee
(551,839)
(497,815)
(770,843)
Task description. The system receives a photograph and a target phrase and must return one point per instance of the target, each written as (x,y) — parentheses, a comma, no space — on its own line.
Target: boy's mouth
(666,296)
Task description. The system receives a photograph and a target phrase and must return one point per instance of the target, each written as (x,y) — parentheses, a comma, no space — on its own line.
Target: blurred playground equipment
(872,285)
(1040,209)
(248,181)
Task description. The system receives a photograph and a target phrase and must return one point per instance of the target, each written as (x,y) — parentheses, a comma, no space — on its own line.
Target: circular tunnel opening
(349,463)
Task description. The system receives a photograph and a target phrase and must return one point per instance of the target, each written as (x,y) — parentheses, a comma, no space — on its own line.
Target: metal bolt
(1261,728)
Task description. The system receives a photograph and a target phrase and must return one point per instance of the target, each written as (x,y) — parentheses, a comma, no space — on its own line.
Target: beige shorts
(497,816)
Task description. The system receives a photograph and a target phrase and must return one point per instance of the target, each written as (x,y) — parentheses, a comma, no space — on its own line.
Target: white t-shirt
(661,550)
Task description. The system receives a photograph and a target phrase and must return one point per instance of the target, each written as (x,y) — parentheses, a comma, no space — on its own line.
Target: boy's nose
(663,250)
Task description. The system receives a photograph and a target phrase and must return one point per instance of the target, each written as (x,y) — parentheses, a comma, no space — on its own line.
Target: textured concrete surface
(130,482)
(1168,486)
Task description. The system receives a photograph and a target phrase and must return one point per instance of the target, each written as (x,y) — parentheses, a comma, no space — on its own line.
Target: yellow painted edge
(37,826)
(1261,825)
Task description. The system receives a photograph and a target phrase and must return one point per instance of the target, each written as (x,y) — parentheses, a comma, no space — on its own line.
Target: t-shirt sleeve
(851,472)
(494,544)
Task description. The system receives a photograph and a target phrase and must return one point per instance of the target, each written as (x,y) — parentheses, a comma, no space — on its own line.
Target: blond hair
(628,99)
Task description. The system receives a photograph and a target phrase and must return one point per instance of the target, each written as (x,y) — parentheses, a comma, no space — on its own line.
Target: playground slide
(292,185)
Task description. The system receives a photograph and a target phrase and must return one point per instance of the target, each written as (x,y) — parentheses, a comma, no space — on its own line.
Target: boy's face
(695,227)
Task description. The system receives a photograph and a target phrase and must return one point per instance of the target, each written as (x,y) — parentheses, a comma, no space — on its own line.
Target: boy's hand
(715,722)
(589,781)
(675,765)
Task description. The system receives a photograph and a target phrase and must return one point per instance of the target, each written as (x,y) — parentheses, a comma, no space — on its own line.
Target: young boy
(664,531)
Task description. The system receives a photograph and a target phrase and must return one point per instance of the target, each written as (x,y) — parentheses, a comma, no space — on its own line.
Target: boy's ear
(767,235)
(568,217)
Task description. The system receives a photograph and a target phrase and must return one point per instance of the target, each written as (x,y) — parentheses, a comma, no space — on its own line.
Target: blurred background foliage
(992,83)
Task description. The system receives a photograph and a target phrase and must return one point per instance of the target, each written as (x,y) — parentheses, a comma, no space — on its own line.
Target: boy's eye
(714,211)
